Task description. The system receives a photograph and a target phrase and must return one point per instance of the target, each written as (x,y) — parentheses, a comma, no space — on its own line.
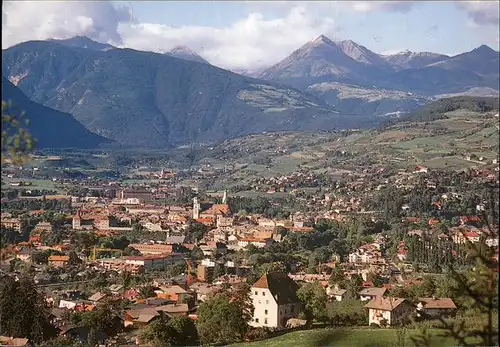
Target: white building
(156,261)
(388,310)
(371,293)
(275,301)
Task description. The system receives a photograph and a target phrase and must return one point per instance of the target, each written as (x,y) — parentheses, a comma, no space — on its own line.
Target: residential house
(160,261)
(420,169)
(24,254)
(96,297)
(116,289)
(436,307)
(154,248)
(213,248)
(203,290)
(388,310)
(259,243)
(172,292)
(142,315)
(461,237)
(15,341)
(43,227)
(205,270)
(336,293)
(58,260)
(371,293)
(469,220)
(275,300)
(11,223)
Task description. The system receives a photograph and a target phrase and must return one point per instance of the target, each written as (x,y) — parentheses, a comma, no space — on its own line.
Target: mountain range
(50,128)
(356,80)
(158,100)
(154,100)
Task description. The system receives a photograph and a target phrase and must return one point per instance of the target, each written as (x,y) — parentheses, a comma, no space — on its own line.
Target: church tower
(196,208)
(224,197)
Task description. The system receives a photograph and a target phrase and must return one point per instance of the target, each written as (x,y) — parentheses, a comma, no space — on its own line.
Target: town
(252,173)
(116,263)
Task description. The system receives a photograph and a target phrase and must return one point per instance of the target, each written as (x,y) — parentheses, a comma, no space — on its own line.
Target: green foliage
(314,298)
(348,312)
(24,311)
(224,317)
(146,292)
(103,318)
(353,286)
(61,341)
(171,331)
(436,110)
(16,140)
(195,231)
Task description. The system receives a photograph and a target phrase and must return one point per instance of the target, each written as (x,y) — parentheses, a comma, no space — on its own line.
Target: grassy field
(35,184)
(348,338)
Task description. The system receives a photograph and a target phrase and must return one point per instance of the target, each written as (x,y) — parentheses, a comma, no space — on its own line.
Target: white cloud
(482,12)
(251,42)
(386,6)
(40,20)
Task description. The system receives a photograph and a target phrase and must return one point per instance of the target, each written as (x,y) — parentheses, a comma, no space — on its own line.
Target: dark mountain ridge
(51,128)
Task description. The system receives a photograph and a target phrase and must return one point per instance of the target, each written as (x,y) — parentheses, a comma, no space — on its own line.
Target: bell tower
(196,208)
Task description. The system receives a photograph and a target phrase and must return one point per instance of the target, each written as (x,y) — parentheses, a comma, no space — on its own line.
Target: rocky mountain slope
(184,52)
(154,100)
(400,81)
(51,128)
(84,42)
(413,60)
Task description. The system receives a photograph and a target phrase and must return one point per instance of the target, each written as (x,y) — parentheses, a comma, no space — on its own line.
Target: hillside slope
(184,52)
(350,77)
(153,100)
(51,128)
(466,126)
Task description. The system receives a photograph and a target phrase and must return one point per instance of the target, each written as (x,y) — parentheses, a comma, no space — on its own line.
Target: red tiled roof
(445,303)
(385,303)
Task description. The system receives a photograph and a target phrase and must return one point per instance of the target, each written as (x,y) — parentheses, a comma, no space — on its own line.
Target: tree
(61,341)
(348,312)
(314,298)
(224,317)
(353,286)
(24,311)
(40,257)
(475,290)
(147,291)
(427,288)
(102,318)
(171,331)
(337,277)
(73,258)
(16,140)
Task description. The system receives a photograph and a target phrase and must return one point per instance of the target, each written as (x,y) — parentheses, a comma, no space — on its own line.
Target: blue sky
(251,34)
(437,26)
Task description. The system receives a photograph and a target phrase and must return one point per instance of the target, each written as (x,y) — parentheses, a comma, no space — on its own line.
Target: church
(219,213)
